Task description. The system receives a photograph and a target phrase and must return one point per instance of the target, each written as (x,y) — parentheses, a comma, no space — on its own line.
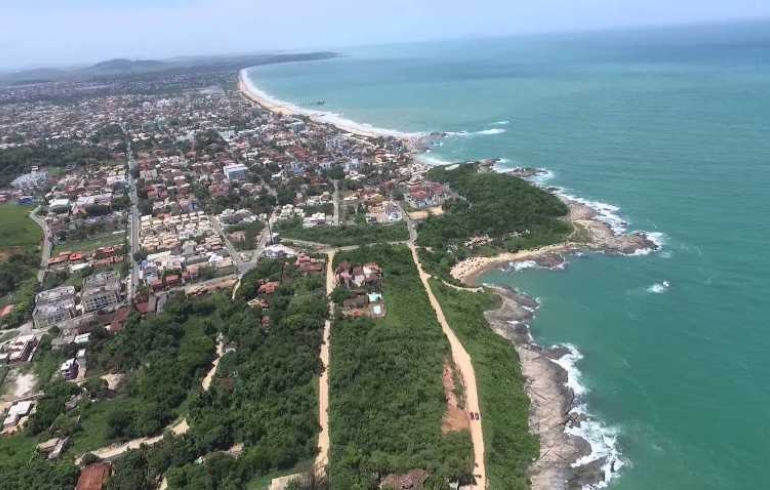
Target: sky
(37,33)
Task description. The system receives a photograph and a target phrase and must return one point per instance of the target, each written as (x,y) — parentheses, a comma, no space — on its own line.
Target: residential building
(100,291)
(54,307)
(236,171)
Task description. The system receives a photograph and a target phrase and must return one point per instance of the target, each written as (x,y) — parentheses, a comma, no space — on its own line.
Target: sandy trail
(206,384)
(462,361)
(115,450)
(322,459)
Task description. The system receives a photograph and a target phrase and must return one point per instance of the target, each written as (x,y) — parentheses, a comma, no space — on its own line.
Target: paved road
(336,201)
(236,256)
(133,222)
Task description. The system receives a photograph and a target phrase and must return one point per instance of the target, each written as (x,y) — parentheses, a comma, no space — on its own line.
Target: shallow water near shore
(673,127)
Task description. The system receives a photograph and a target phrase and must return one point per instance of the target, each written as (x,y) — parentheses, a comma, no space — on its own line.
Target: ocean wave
(569,363)
(483,132)
(501,123)
(605,212)
(542,178)
(601,437)
(659,287)
(431,160)
(491,131)
(603,440)
(524,264)
(325,117)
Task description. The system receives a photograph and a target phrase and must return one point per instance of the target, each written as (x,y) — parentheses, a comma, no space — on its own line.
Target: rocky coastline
(554,406)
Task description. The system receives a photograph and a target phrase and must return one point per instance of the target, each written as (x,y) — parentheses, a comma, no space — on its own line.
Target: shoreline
(271,104)
(554,409)
(568,459)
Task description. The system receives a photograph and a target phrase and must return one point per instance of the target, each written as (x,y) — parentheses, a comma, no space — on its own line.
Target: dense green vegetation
(17,160)
(342,236)
(264,394)
(18,265)
(18,229)
(514,213)
(510,448)
(165,357)
(387,398)
(21,468)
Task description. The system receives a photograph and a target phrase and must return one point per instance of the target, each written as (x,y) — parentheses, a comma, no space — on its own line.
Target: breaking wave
(601,437)
(659,287)
(483,132)
(501,123)
(605,212)
(428,159)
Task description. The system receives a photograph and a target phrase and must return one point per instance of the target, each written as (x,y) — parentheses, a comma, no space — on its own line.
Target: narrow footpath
(463,362)
(322,460)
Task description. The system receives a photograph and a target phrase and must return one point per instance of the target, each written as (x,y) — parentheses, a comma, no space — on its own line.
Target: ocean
(668,131)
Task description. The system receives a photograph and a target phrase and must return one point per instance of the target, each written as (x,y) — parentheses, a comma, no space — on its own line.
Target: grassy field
(18,228)
(509,446)
(387,398)
(105,240)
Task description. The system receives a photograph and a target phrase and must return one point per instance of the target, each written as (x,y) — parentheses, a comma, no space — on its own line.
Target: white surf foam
(569,362)
(607,213)
(431,160)
(325,117)
(601,438)
(483,132)
(541,178)
(604,444)
(501,123)
(491,131)
(525,264)
(659,287)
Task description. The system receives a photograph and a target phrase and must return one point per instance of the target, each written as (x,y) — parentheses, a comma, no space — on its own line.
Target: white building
(236,171)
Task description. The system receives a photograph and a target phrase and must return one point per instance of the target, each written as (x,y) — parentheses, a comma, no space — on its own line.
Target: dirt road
(463,362)
(322,460)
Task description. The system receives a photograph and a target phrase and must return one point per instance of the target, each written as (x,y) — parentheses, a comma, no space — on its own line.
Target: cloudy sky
(60,32)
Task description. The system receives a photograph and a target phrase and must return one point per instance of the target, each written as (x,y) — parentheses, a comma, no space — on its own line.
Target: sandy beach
(253,93)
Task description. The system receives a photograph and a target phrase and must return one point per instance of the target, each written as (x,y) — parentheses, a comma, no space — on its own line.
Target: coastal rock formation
(551,399)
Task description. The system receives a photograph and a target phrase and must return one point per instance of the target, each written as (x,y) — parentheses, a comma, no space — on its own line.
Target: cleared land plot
(91,244)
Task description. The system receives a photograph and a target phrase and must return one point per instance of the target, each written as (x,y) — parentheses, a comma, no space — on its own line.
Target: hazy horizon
(42,33)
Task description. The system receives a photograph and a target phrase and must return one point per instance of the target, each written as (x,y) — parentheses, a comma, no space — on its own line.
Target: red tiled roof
(93,476)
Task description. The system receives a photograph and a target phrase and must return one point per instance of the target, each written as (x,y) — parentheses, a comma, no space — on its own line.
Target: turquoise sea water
(673,127)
